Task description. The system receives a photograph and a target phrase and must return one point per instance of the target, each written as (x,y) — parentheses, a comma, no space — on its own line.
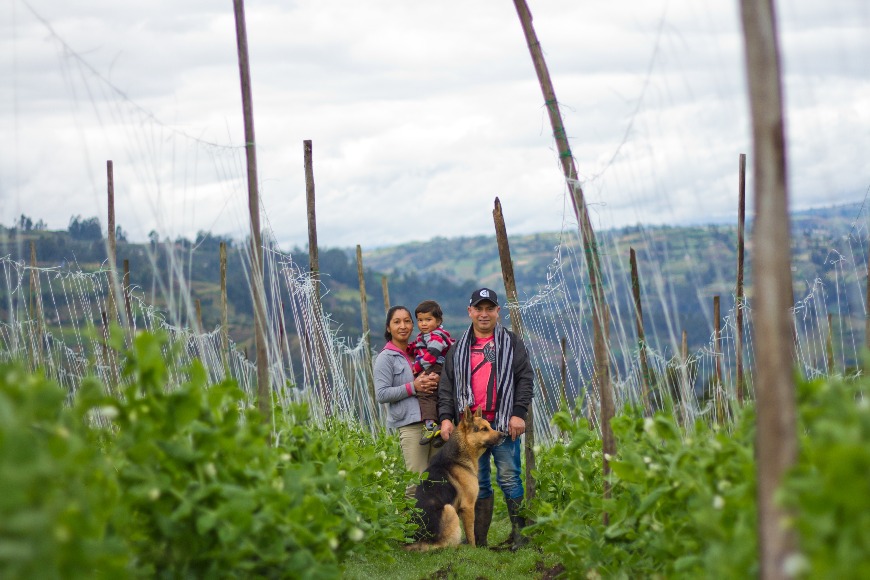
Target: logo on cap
(483,294)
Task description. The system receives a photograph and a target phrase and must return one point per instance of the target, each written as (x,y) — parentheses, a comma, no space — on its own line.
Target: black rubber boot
(518,522)
(482,520)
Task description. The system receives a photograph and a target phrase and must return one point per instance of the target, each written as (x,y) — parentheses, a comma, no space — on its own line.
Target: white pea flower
(378,473)
(649,426)
(647,460)
(333,544)
(278,484)
(723,485)
(154,494)
(210,469)
(356,535)
(718,502)
(607,456)
(109,412)
(285,457)
(342,473)
(795,565)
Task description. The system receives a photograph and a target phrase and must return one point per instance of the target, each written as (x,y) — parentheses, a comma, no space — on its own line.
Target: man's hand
(516,427)
(446,429)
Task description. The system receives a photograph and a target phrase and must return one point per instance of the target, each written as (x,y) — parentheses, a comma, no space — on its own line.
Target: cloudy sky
(420,113)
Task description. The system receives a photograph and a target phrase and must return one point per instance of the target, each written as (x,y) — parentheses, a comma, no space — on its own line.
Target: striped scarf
(504,375)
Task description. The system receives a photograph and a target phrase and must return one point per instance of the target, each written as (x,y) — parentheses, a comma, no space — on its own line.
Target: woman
(396,387)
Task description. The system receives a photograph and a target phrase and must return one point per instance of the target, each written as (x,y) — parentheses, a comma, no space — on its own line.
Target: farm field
(182,482)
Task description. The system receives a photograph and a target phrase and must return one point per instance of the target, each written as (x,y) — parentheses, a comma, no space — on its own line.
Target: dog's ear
(478,414)
(466,416)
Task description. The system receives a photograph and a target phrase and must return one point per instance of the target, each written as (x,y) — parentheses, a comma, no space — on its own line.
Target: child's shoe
(431,433)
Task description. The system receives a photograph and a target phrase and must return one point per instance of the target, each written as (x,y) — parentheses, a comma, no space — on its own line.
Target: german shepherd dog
(450,491)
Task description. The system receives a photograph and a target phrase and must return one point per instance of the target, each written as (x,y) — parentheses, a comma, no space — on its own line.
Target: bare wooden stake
(776,433)
(36,312)
(641,336)
(364,313)
(225,328)
(320,370)
(563,385)
(198,305)
(386,290)
(718,393)
(513,306)
(110,187)
(867,308)
(128,306)
(264,386)
(739,299)
(829,345)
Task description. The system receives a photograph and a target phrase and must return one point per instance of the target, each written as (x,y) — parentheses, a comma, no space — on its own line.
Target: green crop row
(685,506)
(183,482)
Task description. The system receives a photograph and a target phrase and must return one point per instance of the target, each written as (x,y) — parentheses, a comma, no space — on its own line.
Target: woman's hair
(429,307)
(393,309)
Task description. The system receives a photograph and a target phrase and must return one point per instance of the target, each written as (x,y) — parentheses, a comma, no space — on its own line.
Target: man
(489,368)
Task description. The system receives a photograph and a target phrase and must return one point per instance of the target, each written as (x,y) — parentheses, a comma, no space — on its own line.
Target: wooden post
(198,306)
(513,305)
(776,434)
(590,246)
(829,345)
(563,385)
(867,309)
(112,243)
(641,336)
(313,256)
(264,388)
(36,312)
(386,290)
(225,330)
(739,299)
(718,393)
(320,371)
(364,313)
(128,306)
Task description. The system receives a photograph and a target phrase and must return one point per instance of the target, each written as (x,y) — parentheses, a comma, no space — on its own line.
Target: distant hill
(697,261)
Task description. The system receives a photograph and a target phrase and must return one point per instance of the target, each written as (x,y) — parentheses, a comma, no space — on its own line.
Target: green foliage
(57,491)
(830,489)
(182,481)
(678,507)
(208,496)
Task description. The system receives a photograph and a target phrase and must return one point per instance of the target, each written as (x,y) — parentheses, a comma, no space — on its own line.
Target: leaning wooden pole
(739,298)
(590,247)
(367,339)
(264,388)
(513,305)
(319,358)
(641,335)
(776,433)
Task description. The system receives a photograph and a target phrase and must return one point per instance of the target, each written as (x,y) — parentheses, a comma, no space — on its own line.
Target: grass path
(459,563)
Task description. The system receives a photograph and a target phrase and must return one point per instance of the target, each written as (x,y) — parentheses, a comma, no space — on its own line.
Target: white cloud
(420,113)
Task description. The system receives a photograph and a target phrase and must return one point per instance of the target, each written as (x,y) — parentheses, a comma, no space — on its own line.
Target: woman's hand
(426,383)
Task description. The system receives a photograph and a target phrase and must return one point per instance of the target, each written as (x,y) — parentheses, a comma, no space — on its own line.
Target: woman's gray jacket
(392,379)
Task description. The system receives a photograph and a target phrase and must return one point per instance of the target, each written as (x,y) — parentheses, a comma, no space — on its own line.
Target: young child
(428,350)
